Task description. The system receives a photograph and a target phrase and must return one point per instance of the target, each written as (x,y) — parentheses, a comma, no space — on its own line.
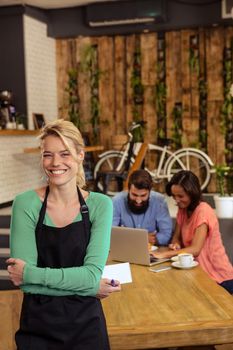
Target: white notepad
(120,272)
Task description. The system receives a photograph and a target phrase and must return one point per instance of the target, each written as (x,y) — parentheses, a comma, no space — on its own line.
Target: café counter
(13,132)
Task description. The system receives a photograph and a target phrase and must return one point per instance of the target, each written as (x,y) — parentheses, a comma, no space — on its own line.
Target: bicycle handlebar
(135,125)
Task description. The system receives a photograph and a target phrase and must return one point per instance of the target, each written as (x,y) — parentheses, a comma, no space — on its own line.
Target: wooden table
(168,309)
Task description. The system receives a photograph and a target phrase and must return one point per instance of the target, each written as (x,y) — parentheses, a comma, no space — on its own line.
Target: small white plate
(153,248)
(177,264)
(174,258)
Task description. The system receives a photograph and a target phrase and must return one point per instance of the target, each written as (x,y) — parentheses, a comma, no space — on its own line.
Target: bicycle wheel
(110,162)
(189,160)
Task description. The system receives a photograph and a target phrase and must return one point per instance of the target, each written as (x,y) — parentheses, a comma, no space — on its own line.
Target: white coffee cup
(185,259)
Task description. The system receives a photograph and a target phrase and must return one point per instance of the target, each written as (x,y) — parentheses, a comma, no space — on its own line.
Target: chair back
(137,164)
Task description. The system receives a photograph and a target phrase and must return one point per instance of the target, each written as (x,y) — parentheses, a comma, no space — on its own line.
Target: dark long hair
(191,185)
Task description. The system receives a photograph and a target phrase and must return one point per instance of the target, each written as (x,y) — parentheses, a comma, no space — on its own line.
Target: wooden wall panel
(202,51)
(64,57)
(228,36)
(149,76)
(83,84)
(119,83)
(130,49)
(149,58)
(116,60)
(214,52)
(190,120)
(193,128)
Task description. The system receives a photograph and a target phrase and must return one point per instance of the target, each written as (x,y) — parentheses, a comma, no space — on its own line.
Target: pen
(113,284)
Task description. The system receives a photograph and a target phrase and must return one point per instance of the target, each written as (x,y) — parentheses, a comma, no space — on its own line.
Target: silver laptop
(131,245)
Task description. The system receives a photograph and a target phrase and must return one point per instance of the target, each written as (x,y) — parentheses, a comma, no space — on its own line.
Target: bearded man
(141,207)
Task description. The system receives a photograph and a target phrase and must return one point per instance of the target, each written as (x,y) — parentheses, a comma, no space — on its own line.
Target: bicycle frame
(123,153)
(160,172)
(156,173)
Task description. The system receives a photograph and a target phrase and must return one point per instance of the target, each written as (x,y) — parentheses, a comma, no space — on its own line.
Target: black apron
(64,322)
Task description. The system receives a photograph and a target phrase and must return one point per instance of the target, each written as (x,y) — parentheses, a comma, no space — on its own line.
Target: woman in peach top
(197,230)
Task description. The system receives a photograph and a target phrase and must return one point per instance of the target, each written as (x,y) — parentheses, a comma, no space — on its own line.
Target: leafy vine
(177,125)
(160,92)
(200,71)
(227,107)
(73,97)
(137,92)
(89,65)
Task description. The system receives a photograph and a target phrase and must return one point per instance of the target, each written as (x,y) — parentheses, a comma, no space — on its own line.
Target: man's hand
(15,269)
(106,288)
(152,238)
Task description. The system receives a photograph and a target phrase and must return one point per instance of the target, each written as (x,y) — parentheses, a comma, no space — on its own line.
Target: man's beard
(138,209)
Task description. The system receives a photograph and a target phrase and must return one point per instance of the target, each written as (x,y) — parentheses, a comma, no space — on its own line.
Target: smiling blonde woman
(60,237)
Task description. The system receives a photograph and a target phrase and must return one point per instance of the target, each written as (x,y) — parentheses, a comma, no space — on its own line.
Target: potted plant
(21,121)
(224,199)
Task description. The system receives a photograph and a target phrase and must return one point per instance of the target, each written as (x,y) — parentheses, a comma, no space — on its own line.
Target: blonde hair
(67,130)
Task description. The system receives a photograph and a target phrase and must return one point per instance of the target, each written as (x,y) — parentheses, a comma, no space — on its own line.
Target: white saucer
(174,258)
(177,264)
(153,248)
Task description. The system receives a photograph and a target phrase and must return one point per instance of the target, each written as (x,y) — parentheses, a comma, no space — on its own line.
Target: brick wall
(40,58)
(20,171)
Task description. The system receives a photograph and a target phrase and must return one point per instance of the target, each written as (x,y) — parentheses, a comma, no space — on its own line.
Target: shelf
(18,132)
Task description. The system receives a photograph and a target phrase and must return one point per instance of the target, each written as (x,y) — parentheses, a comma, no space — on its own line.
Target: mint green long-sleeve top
(83,280)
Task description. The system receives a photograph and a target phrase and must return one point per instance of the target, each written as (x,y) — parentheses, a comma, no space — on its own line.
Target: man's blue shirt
(155,219)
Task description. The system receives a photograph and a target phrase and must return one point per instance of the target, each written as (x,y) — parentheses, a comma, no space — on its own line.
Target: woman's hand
(174,246)
(106,288)
(15,269)
(160,255)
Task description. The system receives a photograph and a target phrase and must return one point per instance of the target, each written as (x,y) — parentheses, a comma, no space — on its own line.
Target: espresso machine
(7,109)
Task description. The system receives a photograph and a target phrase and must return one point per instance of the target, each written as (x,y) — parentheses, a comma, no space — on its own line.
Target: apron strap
(42,211)
(85,215)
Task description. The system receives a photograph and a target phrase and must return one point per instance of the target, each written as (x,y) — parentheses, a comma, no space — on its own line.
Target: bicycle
(169,162)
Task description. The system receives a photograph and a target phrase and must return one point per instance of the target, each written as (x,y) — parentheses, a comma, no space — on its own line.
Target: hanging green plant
(160,93)
(203,135)
(200,72)
(89,65)
(227,107)
(73,97)
(194,55)
(177,125)
(193,61)
(137,93)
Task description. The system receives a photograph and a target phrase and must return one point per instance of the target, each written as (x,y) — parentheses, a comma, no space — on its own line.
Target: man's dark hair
(141,179)
(191,185)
